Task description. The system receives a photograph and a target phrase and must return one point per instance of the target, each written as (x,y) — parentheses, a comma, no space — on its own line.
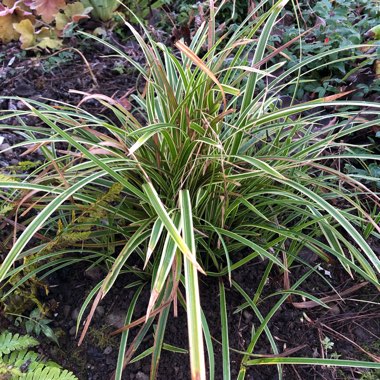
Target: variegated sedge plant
(207,166)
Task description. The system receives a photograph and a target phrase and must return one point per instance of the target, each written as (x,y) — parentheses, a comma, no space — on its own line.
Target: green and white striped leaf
(194,315)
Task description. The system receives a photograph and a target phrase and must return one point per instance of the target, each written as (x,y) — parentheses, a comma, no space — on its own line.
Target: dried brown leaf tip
(47,9)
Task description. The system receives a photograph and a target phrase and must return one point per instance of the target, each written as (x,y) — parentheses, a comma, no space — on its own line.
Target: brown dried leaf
(331,98)
(335,297)
(198,62)
(47,9)
(125,103)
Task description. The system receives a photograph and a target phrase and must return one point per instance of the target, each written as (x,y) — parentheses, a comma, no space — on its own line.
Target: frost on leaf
(47,9)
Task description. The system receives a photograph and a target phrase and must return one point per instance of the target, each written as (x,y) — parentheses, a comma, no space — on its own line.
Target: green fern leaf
(49,373)
(5,208)
(7,178)
(11,342)
(17,363)
(8,372)
(24,359)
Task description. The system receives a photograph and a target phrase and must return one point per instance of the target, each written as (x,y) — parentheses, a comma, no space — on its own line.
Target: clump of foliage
(371,375)
(18,362)
(214,173)
(101,9)
(323,25)
(329,25)
(42,24)
(36,323)
(371,173)
(39,23)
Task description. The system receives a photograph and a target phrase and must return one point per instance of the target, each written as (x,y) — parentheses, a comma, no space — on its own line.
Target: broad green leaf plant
(208,174)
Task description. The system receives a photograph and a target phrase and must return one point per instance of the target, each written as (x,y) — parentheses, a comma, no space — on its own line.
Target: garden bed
(348,330)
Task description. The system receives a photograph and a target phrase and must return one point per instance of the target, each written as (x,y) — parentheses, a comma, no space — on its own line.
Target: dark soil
(354,319)
(352,324)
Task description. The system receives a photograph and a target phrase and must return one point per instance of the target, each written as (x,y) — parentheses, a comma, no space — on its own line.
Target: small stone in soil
(73,331)
(361,334)
(308,255)
(66,311)
(100,311)
(108,350)
(334,309)
(141,376)
(6,146)
(21,105)
(247,316)
(110,360)
(74,314)
(115,319)
(94,274)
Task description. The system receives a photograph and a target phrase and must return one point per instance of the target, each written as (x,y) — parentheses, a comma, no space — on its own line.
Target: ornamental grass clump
(209,173)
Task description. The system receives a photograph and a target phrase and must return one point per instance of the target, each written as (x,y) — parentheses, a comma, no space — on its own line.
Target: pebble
(115,319)
(66,311)
(141,376)
(100,311)
(73,331)
(334,309)
(110,360)
(94,274)
(308,255)
(107,350)
(74,314)
(12,106)
(361,334)
(6,146)
(247,316)
(21,105)
(24,90)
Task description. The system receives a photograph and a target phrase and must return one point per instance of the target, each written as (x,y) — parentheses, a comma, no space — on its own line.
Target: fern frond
(8,372)
(23,358)
(34,368)
(5,208)
(14,342)
(7,178)
(49,373)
